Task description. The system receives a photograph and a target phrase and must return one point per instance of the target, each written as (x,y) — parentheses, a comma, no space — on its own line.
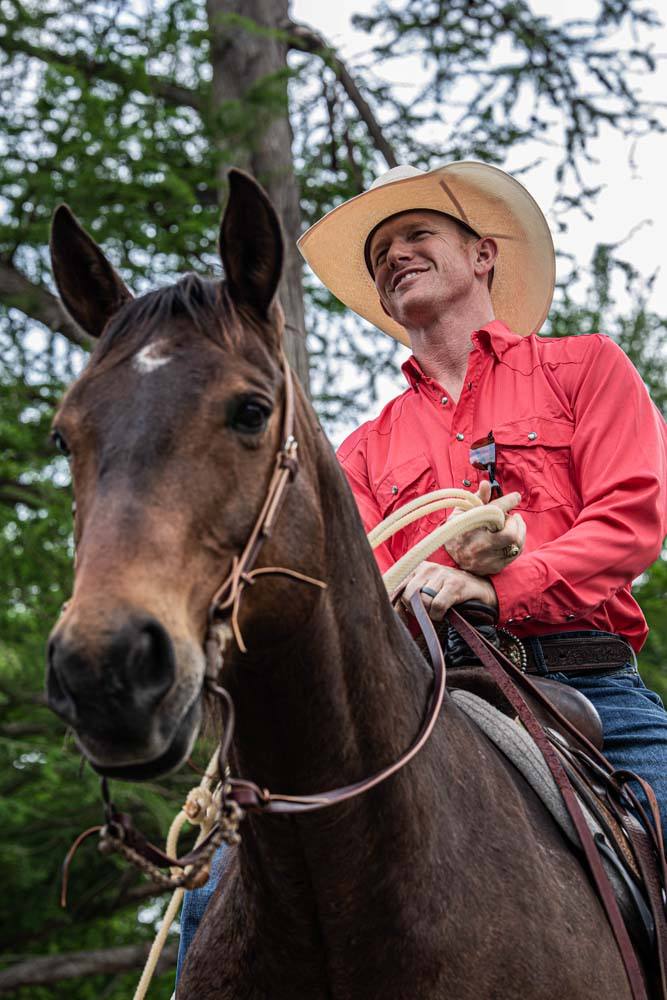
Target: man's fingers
(484,491)
(521,529)
(508,502)
(514,533)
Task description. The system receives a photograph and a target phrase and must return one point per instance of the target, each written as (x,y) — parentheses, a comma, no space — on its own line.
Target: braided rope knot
(197,805)
(202,807)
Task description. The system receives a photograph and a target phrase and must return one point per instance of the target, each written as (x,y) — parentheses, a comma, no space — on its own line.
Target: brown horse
(448,881)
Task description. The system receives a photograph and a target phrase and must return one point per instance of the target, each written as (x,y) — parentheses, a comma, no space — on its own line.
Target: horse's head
(172,431)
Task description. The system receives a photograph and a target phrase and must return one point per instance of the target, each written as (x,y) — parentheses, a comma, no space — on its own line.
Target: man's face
(422,263)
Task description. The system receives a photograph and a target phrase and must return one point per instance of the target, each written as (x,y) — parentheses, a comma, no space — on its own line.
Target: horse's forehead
(169,372)
(153,356)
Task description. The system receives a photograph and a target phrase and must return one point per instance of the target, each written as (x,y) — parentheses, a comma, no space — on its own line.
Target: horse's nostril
(115,682)
(58,697)
(150,663)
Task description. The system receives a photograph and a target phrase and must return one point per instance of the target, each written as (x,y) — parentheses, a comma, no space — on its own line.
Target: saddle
(629,843)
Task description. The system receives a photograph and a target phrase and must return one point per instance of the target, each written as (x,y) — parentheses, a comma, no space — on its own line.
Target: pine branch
(37,302)
(127,898)
(43,970)
(145,83)
(13,492)
(19,730)
(304,39)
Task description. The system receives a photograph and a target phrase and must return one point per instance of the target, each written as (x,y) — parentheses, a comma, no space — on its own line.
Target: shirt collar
(493,338)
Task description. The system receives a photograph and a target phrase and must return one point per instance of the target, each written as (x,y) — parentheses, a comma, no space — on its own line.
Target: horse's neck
(332,705)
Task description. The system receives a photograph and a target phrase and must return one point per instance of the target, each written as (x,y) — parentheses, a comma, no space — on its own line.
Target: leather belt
(551,654)
(564,652)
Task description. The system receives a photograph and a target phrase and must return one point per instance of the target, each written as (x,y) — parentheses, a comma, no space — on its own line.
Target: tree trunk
(247,60)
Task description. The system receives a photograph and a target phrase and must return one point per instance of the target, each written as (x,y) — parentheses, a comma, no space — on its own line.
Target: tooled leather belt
(540,655)
(573,655)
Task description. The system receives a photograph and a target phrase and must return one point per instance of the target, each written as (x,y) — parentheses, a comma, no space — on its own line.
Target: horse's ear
(251,243)
(90,288)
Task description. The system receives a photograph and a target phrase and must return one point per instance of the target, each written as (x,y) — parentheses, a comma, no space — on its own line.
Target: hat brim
(487,199)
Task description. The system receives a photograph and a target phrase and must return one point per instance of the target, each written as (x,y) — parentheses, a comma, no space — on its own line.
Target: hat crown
(396,174)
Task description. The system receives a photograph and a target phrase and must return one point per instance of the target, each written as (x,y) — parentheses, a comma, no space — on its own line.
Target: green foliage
(651,592)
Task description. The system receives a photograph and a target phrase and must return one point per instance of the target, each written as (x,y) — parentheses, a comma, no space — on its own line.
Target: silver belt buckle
(513,648)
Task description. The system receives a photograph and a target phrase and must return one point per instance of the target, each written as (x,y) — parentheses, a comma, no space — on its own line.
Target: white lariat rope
(199,809)
(475,514)
(199,806)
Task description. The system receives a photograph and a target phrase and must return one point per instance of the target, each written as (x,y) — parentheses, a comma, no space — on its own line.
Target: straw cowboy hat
(485,198)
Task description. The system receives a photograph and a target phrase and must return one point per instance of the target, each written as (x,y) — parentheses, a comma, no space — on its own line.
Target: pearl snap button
(459,437)
(532,436)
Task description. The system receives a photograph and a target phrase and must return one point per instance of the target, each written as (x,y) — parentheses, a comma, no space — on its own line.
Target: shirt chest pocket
(533,457)
(403,483)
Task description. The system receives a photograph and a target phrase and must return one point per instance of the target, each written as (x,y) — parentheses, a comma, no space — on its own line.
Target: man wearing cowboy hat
(458,263)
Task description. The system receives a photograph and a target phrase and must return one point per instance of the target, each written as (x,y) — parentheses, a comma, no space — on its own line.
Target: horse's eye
(250,416)
(60,443)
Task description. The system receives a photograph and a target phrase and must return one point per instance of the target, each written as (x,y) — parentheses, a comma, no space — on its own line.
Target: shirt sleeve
(618,456)
(353,461)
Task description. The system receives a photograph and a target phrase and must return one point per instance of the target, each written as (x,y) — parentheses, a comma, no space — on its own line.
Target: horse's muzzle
(118,691)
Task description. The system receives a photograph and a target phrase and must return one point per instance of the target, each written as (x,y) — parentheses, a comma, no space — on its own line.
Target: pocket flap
(534,432)
(404,482)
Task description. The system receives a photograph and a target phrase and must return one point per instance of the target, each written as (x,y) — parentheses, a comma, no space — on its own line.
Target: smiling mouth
(405,277)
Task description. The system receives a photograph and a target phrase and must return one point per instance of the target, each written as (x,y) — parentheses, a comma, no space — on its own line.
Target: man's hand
(485,552)
(452,586)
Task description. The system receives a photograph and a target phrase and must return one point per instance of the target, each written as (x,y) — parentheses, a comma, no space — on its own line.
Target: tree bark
(43,970)
(260,140)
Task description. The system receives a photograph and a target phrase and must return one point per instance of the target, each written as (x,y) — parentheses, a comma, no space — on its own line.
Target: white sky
(632,193)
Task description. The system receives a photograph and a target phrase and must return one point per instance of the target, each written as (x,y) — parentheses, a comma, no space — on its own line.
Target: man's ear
(251,244)
(90,288)
(486,255)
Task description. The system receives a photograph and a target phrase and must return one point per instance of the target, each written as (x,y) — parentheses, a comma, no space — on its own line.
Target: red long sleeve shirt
(576,434)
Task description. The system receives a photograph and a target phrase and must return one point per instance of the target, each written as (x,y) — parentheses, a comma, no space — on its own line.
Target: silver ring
(429,591)
(511,551)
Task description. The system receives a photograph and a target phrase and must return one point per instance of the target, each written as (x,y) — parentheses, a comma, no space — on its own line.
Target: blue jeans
(634,723)
(195,902)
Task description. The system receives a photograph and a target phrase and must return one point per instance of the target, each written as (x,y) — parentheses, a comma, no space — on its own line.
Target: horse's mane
(207,304)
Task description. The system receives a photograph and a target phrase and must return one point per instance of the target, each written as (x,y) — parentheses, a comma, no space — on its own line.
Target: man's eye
(380,257)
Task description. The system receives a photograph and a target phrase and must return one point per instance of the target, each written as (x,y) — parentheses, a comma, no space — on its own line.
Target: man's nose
(399,251)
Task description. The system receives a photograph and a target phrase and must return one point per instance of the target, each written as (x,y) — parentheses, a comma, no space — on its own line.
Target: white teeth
(408,274)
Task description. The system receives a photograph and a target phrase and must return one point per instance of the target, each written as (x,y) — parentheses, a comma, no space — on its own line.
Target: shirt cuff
(519,589)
